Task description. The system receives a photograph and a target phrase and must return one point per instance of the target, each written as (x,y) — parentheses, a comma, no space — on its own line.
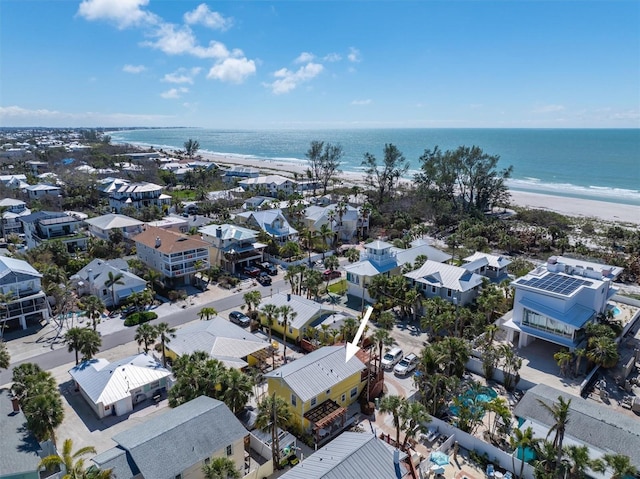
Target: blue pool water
(616,311)
(467,398)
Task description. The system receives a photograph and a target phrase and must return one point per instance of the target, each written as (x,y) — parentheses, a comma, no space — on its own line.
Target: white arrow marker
(352,348)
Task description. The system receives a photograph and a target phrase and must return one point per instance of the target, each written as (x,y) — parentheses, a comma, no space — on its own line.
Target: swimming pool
(616,311)
(474,399)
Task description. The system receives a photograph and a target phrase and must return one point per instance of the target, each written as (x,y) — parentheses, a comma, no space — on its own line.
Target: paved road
(60,356)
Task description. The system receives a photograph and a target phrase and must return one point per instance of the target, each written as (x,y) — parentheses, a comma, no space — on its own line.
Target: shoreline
(575,207)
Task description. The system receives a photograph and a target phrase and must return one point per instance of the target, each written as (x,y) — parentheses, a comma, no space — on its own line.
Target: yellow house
(230,344)
(305,313)
(319,387)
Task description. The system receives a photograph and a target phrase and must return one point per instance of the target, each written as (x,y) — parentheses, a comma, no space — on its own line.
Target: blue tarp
(439,458)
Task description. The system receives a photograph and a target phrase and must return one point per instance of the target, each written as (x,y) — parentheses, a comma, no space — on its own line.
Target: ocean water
(600,164)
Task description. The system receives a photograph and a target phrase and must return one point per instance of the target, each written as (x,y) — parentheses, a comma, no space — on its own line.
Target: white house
(492,266)
(556,301)
(138,195)
(449,282)
(345,222)
(381,257)
(177,257)
(96,279)
(232,247)
(101,226)
(270,185)
(115,388)
(106,186)
(41,190)
(44,226)
(271,222)
(27,303)
(12,210)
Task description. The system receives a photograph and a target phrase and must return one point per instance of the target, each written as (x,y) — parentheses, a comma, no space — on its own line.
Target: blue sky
(320,64)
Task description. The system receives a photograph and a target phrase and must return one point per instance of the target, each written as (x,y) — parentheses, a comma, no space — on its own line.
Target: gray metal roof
(318,371)
(404,256)
(305,309)
(219,338)
(445,276)
(167,445)
(589,422)
(113,220)
(19,449)
(352,454)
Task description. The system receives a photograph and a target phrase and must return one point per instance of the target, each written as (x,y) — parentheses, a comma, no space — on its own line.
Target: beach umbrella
(440,458)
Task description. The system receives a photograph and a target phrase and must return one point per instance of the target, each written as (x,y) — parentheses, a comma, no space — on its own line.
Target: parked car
(264,279)
(251,271)
(239,318)
(391,358)
(406,365)
(268,268)
(331,274)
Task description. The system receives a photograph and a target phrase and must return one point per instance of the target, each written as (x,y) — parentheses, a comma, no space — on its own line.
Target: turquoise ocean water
(599,164)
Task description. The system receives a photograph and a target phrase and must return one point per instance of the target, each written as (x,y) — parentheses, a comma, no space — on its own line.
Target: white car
(406,365)
(391,358)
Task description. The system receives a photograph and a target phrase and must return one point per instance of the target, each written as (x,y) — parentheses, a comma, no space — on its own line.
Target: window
(206,461)
(448,293)
(178,476)
(433,289)
(343,398)
(293,400)
(313,402)
(104,292)
(354,392)
(229,450)
(107,407)
(328,391)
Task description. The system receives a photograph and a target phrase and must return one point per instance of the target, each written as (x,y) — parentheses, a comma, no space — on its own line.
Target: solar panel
(555,283)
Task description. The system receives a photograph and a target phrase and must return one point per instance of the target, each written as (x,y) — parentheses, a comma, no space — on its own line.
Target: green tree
(384,177)
(112,281)
(520,441)
(324,163)
(44,413)
(165,333)
(271,313)
(221,468)
(560,413)
(146,334)
(453,354)
(381,339)
(5,357)
(393,405)
(73,338)
(94,308)
(603,351)
(207,313)
(621,466)
(90,343)
(73,462)
(579,459)
(563,358)
(287,314)
(331,262)
(252,299)
(191,147)
(238,388)
(413,416)
(273,412)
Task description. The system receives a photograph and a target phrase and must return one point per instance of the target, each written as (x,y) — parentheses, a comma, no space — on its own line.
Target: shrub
(139,318)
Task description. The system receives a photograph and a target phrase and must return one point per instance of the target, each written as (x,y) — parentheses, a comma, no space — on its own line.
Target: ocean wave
(602,193)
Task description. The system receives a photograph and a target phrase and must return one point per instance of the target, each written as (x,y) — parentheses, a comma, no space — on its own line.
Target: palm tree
(90,343)
(165,332)
(191,146)
(44,412)
(392,405)
(579,457)
(73,338)
(324,233)
(603,351)
(413,416)
(382,338)
(579,353)
(94,308)
(621,466)
(153,279)
(5,357)
(563,358)
(287,313)
(238,388)
(111,282)
(560,413)
(221,468)
(252,299)
(72,461)
(273,412)
(271,313)
(453,353)
(520,441)
(207,313)
(146,334)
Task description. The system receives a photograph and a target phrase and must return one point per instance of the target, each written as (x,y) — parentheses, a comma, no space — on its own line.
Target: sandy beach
(577,207)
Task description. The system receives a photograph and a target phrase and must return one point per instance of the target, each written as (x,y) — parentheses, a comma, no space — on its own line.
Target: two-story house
(345,221)
(270,185)
(138,196)
(44,226)
(177,257)
(381,257)
(271,222)
(232,247)
(26,304)
(449,282)
(109,280)
(319,387)
(179,442)
(488,265)
(12,210)
(101,226)
(556,301)
(41,190)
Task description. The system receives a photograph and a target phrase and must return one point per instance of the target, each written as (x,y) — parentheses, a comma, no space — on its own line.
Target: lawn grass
(339,287)
(184,195)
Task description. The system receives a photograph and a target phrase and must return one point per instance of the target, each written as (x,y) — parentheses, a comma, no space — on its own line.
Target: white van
(391,358)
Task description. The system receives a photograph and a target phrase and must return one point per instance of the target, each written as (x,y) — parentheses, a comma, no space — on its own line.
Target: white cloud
(361,102)
(203,16)
(182,75)
(124,13)
(548,108)
(232,70)
(133,69)
(175,40)
(18,116)
(304,57)
(174,93)
(288,80)
(354,55)
(332,57)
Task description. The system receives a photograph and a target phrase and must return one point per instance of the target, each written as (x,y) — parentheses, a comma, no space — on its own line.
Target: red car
(251,271)
(331,274)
